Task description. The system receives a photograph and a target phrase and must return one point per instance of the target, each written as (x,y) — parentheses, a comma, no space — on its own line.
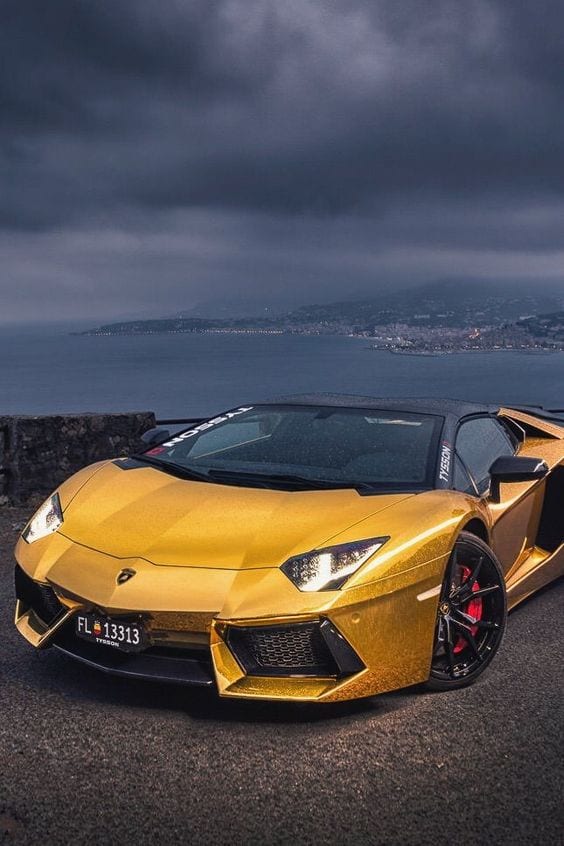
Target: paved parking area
(94,760)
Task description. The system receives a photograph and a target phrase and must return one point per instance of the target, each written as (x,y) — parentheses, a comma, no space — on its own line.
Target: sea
(48,370)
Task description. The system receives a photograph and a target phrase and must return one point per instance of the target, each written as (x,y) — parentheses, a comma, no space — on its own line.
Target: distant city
(437,319)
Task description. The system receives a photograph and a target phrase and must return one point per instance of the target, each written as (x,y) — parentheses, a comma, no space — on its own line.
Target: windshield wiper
(174,469)
(267,479)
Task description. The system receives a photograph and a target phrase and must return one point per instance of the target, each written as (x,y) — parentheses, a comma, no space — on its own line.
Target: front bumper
(338,645)
(189,667)
(311,649)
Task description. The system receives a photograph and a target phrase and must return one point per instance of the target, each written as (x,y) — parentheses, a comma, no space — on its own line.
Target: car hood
(147,513)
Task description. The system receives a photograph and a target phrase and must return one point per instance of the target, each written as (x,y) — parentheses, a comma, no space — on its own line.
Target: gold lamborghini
(317,547)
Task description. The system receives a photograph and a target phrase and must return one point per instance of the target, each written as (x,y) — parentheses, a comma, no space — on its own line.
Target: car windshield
(307,447)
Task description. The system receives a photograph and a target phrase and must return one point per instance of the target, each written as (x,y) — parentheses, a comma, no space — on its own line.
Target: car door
(479,441)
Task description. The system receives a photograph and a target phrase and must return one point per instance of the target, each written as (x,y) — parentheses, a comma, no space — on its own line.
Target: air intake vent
(40,598)
(290,650)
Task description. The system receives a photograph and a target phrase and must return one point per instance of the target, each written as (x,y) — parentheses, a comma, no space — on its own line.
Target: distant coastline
(405,341)
(440,353)
(441,321)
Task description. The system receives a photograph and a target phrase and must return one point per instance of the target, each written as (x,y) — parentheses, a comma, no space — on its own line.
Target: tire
(471,615)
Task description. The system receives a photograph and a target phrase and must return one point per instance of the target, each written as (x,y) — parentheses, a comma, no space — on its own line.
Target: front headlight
(45,521)
(329,568)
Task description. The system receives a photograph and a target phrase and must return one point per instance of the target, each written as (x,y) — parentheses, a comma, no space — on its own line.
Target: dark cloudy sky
(157,153)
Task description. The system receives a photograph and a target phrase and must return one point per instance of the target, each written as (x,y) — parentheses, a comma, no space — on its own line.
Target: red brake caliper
(474,609)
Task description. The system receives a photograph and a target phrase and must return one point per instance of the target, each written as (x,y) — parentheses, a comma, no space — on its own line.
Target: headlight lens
(45,521)
(329,568)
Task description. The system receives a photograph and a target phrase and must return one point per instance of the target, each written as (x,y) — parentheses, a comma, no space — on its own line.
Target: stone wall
(38,453)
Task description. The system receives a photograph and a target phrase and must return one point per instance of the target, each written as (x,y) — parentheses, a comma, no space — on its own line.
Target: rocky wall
(38,453)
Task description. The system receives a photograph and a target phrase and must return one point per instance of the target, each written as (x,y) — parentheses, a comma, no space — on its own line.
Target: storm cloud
(160,153)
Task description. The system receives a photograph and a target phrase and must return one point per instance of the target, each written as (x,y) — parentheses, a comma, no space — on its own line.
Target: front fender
(421,529)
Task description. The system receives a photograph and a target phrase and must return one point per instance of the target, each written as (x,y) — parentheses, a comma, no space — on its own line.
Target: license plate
(125,635)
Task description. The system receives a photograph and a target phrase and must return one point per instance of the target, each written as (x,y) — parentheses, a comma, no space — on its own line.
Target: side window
(478,443)
(461,480)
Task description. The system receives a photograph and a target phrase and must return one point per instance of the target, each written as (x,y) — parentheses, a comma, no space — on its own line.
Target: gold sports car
(316,548)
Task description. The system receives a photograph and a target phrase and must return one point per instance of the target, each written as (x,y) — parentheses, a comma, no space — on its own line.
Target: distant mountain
(235,308)
(444,303)
(447,303)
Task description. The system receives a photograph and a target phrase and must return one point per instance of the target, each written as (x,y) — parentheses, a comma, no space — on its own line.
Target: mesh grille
(282,650)
(41,598)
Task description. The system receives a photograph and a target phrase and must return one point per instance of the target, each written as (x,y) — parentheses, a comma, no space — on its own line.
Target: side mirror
(155,436)
(515,468)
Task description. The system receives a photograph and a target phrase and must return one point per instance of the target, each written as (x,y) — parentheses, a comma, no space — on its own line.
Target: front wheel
(471,615)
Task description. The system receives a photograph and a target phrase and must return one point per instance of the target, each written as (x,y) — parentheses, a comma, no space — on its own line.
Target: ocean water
(47,370)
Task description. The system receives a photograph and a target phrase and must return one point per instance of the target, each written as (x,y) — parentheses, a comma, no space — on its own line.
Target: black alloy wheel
(471,617)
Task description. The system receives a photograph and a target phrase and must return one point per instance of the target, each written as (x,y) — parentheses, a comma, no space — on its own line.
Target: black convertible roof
(415,405)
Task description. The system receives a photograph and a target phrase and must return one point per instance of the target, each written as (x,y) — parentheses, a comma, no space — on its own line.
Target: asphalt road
(89,759)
